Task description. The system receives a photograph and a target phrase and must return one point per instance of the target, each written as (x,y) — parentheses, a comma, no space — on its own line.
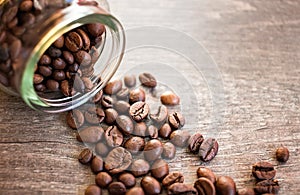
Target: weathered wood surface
(256,45)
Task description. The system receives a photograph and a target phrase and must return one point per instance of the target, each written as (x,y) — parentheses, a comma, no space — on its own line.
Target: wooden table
(256,46)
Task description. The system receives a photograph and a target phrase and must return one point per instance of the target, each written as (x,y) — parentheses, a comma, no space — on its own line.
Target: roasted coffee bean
(282,154)
(118,160)
(165,131)
(52,85)
(180,138)
(116,188)
(6,66)
(181,188)
(45,60)
(135,144)
(130,80)
(15,49)
(152,132)
(54,52)
(59,43)
(125,124)
(107,101)
(176,120)
(207,173)
(127,179)
(78,84)
(73,42)
(150,185)
(13,23)
(59,75)
(26,5)
(59,64)
(94,54)
(39,87)
(4,52)
(85,39)
(148,80)
(9,14)
(66,88)
(4,80)
(37,79)
(169,98)
(69,58)
(101,149)
(139,167)
(113,136)
(87,71)
(85,156)
(75,119)
(194,142)
(153,149)
(91,134)
(137,95)
(18,30)
(103,179)
(267,186)
(263,170)
(169,151)
(97,164)
(225,186)
(94,115)
(140,129)
(246,191)
(161,115)
(83,58)
(110,116)
(87,83)
(46,71)
(26,19)
(204,186)
(113,87)
(123,94)
(135,191)
(159,169)
(122,107)
(139,111)
(97,97)
(92,190)
(208,149)
(171,178)
(95,29)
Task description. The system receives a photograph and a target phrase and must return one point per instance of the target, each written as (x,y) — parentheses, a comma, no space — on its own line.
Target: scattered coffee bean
(140,167)
(75,119)
(208,149)
(207,173)
(169,98)
(113,137)
(116,188)
(97,164)
(101,149)
(159,169)
(204,186)
(113,87)
(78,84)
(171,178)
(123,94)
(263,170)
(194,142)
(181,188)
(129,80)
(139,111)
(169,151)
(153,150)
(92,190)
(246,191)
(161,115)
(176,120)
(282,154)
(137,95)
(135,145)
(86,42)
(140,129)
(91,134)
(94,115)
(180,138)
(165,131)
(127,179)
(152,132)
(125,124)
(150,185)
(148,80)
(225,186)
(267,186)
(85,156)
(135,191)
(122,107)
(110,116)
(118,160)
(87,83)
(103,179)
(97,97)
(107,102)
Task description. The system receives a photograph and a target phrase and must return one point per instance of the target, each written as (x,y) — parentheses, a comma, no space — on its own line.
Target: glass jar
(28,30)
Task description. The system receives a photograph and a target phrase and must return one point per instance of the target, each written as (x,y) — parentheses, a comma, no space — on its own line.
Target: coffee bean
(96,29)
(18,30)
(110,116)
(59,64)
(45,71)
(54,52)
(83,58)
(208,149)
(85,39)
(267,186)
(161,115)
(150,185)
(6,66)
(180,138)
(85,156)
(282,154)
(113,87)
(153,149)
(171,178)
(4,80)
(78,84)
(225,186)
(263,170)
(101,149)
(140,167)
(4,52)
(194,142)
(91,134)
(113,136)
(181,188)
(176,120)
(136,95)
(94,115)
(207,173)
(204,186)
(140,129)
(73,42)
(97,164)
(88,84)
(103,179)
(39,87)
(69,58)
(87,71)
(15,49)
(59,43)
(45,60)
(94,52)
(165,131)
(135,145)
(135,191)
(127,179)
(118,160)
(116,188)
(75,119)
(159,169)
(246,191)
(148,80)
(97,97)
(92,190)
(37,79)
(123,94)
(169,151)
(107,101)
(139,111)
(66,89)
(59,75)
(9,14)
(125,124)
(152,132)
(169,98)
(13,23)
(26,6)
(52,85)
(130,80)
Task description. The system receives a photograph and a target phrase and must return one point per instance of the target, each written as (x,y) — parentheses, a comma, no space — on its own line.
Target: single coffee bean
(153,149)
(45,60)
(94,115)
(150,185)
(159,169)
(4,52)
(59,64)
(267,186)
(103,179)
(93,190)
(165,131)
(137,95)
(148,80)
(139,111)
(52,85)
(113,87)
(110,116)
(118,160)
(66,88)
(140,129)
(116,188)
(207,173)
(85,39)
(122,107)
(135,191)
(95,29)
(246,191)
(45,71)
(18,31)
(113,136)
(37,79)
(54,52)
(161,115)
(101,149)
(85,156)
(152,132)
(169,150)
(75,119)
(130,80)
(123,94)
(59,75)
(125,124)
(91,134)
(78,84)
(169,98)
(171,178)
(69,58)
(9,14)
(87,83)
(73,42)
(204,186)
(83,58)
(26,6)
(225,186)
(282,154)
(87,71)
(208,149)
(181,188)
(15,49)
(180,138)
(107,101)
(127,179)
(139,167)
(97,97)
(194,142)
(94,54)
(39,87)
(176,120)
(263,170)
(97,164)
(135,145)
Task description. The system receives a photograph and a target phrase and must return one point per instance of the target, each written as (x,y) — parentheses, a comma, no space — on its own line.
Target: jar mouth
(112,49)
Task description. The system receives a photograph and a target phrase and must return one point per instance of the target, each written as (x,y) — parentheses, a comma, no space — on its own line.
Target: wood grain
(256,46)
